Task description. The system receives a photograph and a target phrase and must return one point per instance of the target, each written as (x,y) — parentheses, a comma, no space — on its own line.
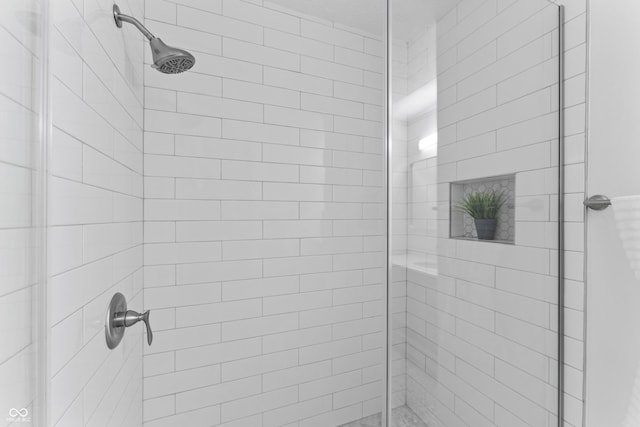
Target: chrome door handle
(597,202)
(119,318)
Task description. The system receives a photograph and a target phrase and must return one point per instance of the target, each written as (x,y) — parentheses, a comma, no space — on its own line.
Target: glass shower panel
(475,115)
(21,38)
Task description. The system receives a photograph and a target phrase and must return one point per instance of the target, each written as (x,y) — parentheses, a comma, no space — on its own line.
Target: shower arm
(120,18)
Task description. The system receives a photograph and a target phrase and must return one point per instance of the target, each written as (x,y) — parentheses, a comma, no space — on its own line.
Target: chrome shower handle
(130,318)
(119,318)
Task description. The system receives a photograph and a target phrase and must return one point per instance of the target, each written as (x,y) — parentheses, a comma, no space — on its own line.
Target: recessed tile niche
(462,225)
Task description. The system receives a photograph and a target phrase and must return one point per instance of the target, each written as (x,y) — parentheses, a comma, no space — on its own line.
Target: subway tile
(260,365)
(220,66)
(201,418)
(217,394)
(330,315)
(303,82)
(296,229)
(329,385)
(181,167)
(259,210)
(335,36)
(358,93)
(296,155)
(248,131)
(176,339)
(185,124)
(214,148)
(330,105)
(261,326)
(299,45)
(218,271)
(359,360)
(159,407)
(212,189)
(294,412)
(258,404)
(155,364)
(264,287)
(331,349)
(262,55)
(254,171)
(176,253)
(333,71)
(323,210)
(260,249)
(175,210)
(262,16)
(296,192)
(296,302)
(159,99)
(351,126)
(214,23)
(296,265)
(203,314)
(214,354)
(159,188)
(530,29)
(186,295)
(296,339)
(297,118)
(323,175)
(193,231)
(191,83)
(258,93)
(358,59)
(195,104)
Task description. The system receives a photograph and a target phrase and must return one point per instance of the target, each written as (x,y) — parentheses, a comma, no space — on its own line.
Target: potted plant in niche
(483,207)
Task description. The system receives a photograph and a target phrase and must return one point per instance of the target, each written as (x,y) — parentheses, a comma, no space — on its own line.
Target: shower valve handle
(119,318)
(130,318)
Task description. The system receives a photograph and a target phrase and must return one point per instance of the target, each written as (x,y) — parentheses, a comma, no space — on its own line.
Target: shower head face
(170,60)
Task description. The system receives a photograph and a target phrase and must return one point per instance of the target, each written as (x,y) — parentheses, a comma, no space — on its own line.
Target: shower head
(170,60)
(166,59)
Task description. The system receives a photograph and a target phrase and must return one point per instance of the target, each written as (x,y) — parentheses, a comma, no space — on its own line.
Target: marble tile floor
(403,416)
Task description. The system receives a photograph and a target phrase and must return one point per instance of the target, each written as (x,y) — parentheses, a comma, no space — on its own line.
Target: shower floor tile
(403,416)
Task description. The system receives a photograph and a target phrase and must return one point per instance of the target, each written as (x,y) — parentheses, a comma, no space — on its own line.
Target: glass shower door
(21,302)
(475,116)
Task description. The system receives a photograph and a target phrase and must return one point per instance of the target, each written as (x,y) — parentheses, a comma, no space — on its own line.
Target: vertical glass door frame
(40,162)
(388,159)
(561,209)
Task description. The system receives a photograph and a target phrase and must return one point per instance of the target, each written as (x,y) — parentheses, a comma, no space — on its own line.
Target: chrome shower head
(170,60)
(166,59)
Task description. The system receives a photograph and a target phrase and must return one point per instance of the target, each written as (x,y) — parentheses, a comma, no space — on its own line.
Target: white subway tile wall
(481,334)
(19,119)
(264,217)
(95,212)
(264,220)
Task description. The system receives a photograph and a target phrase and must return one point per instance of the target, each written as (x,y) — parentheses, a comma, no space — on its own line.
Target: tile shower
(264,224)
(294,230)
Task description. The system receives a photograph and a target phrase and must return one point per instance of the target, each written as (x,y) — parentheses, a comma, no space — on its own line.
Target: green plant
(482,204)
